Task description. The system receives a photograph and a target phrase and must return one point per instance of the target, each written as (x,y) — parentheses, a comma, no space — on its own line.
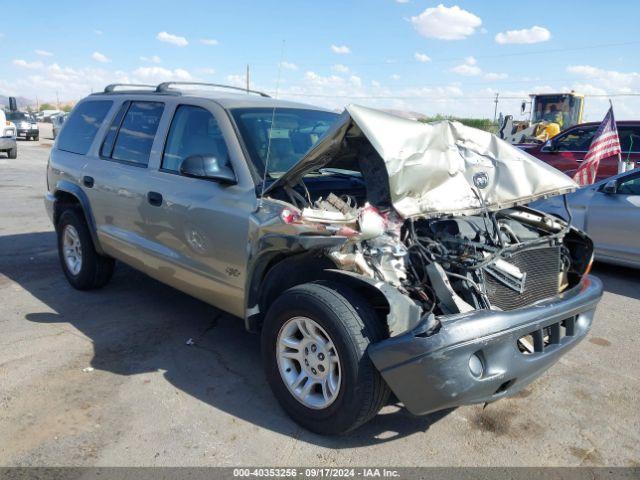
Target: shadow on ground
(618,280)
(138,325)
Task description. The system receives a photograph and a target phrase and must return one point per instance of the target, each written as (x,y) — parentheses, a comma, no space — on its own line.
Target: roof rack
(112,87)
(165,86)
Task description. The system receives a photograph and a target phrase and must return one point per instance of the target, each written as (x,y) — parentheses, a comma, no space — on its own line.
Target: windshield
(18,116)
(294,132)
(561,109)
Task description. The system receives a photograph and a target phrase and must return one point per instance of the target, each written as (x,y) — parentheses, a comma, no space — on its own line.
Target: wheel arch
(67,195)
(395,310)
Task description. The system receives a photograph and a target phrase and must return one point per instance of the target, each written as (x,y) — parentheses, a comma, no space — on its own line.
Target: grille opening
(542,267)
(538,340)
(503,388)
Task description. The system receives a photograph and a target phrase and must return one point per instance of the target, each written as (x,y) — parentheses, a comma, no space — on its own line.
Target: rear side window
(629,139)
(82,126)
(134,138)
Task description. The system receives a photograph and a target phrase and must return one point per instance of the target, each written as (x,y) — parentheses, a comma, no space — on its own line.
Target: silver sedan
(609,211)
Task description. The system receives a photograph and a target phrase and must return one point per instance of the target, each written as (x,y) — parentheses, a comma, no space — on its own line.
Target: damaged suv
(374,254)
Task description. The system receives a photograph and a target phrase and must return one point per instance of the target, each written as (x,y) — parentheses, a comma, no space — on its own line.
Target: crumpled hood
(439,168)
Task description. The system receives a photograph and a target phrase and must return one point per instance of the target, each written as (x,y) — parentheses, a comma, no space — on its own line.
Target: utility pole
(495,110)
(247,78)
(57,101)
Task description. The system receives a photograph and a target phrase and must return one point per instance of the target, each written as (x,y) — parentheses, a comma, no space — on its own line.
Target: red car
(567,149)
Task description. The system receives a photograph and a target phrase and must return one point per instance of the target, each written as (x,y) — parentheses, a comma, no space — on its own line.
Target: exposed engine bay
(437,212)
(451,264)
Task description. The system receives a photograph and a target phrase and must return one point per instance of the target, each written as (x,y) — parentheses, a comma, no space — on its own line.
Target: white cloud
(402,1)
(99,57)
(173,39)
(495,76)
(98,32)
(288,65)
(395,76)
(355,80)
(209,41)
(421,57)
(237,80)
(446,23)
(375,83)
(43,53)
(340,49)
(469,68)
(340,68)
(160,74)
(151,59)
(534,34)
(207,71)
(29,65)
(616,82)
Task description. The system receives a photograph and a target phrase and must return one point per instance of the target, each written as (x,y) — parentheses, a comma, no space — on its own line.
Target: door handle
(87,181)
(154,198)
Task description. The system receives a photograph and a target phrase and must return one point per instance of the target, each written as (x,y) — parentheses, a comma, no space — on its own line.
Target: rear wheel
(84,268)
(314,343)
(13,152)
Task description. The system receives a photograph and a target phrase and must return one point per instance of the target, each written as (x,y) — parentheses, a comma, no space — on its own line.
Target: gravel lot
(106,378)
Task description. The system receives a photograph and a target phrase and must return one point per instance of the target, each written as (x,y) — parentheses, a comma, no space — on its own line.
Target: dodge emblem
(481,180)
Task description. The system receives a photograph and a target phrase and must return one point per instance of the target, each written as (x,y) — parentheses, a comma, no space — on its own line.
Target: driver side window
(629,186)
(193,131)
(577,140)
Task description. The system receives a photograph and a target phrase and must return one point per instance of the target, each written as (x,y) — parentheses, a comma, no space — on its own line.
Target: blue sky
(417,55)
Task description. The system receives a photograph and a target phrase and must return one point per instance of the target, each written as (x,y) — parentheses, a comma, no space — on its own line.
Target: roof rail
(165,86)
(112,87)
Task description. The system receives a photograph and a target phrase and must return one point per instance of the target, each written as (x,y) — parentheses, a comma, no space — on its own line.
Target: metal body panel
(430,373)
(611,220)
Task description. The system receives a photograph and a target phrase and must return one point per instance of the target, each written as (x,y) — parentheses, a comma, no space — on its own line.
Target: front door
(200,227)
(613,220)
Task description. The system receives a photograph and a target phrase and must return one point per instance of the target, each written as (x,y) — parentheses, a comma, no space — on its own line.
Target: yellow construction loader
(550,113)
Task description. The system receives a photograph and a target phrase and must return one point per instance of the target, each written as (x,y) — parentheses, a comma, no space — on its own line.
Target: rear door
(118,176)
(613,220)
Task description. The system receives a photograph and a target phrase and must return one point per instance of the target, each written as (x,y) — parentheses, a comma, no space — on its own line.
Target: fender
(404,314)
(73,189)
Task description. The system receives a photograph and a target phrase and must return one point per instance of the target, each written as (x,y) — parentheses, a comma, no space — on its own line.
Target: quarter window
(193,131)
(629,186)
(134,138)
(82,126)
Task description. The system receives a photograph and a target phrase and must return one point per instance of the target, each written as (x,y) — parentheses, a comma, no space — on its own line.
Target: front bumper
(28,132)
(430,373)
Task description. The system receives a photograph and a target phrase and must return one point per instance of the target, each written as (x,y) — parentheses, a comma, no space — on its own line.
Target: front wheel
(13,153)
(314,343)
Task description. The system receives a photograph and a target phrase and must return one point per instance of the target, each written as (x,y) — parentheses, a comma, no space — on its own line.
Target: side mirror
(207,167)
(550,146)
(611,187)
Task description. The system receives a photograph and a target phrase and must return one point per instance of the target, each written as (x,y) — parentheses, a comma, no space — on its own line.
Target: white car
(8,136)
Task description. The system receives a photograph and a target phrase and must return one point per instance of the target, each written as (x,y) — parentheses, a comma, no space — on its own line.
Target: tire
(13,153)
(94,270)
(351,324)
(36,138)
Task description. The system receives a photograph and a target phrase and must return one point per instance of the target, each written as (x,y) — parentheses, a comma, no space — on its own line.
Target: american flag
(605,143)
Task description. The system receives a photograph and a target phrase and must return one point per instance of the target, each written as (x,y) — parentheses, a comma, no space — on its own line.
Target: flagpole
(621,166)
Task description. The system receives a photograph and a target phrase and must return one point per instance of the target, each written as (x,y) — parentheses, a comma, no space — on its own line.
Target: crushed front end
(484,293)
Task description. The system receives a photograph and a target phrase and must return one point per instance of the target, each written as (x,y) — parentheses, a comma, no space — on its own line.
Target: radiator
(542,268)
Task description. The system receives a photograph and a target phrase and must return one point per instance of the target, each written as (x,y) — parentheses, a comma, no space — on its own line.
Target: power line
(453,59)
(434,99)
